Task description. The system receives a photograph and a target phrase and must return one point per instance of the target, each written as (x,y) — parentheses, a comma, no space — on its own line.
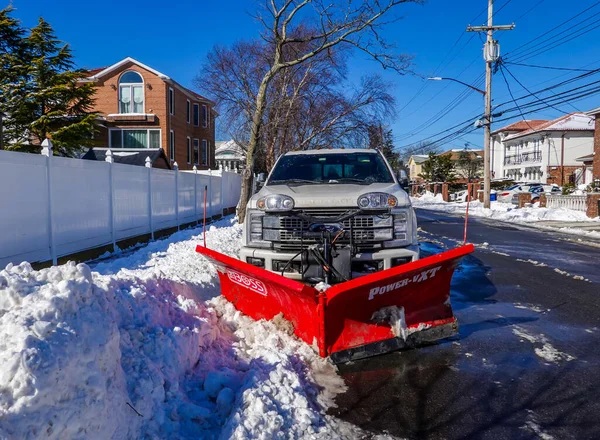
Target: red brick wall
(555,175)
(156,102)
(592,205)
(524,198)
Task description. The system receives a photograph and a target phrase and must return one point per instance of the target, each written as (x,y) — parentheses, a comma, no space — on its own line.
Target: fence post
(47,151)
(148,164)
(176,169)
(210,196)
(222,192)
(195,168)
(111,202)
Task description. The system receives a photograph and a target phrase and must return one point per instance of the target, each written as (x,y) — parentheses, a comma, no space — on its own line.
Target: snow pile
(501,211)
(144,347)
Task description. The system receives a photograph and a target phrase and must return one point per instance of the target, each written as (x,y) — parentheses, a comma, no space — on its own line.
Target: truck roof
(332,151)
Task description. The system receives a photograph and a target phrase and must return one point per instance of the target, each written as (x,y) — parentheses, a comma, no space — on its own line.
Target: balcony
(533,156)
(512,160)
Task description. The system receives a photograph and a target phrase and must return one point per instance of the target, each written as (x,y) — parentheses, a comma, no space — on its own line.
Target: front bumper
(385,255)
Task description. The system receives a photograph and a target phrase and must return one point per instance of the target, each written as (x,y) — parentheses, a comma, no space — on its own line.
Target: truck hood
(330,195)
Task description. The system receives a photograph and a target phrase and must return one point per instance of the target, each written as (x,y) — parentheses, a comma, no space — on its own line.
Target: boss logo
(248,282)
(425,275)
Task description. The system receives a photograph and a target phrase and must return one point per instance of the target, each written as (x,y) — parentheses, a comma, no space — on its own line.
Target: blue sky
(174,37)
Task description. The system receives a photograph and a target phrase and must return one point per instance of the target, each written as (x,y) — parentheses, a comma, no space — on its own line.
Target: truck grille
(292,231)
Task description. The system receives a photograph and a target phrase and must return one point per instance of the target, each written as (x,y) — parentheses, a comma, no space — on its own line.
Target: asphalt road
(526,363)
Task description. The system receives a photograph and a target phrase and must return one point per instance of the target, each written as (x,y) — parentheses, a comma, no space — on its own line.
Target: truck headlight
(377,200)
(275,203)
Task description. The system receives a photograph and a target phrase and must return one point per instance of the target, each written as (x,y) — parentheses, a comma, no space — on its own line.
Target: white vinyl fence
(55,206)
(578,203)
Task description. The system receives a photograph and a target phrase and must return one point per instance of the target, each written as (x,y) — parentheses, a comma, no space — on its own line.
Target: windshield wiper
(352,179)
(285,182)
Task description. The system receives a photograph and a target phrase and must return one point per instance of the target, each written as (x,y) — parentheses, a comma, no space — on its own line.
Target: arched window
(131,93)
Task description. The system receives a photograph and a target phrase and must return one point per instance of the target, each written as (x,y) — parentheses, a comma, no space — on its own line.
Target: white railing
(577,203)
(56,206)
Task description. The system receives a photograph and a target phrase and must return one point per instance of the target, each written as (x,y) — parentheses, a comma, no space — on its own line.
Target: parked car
(506,195)
(536,191)
(460,196)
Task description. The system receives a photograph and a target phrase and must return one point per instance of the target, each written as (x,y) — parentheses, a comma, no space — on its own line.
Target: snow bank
(143,346)
(500,211)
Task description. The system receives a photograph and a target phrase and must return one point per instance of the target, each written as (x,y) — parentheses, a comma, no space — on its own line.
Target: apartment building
(544,151)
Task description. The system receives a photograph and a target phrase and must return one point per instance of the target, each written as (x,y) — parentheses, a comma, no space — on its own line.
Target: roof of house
(593,112)
(231,145)
(419,158)
(521,125)
(577,121)
(128,156)
(97,73)
(456,153)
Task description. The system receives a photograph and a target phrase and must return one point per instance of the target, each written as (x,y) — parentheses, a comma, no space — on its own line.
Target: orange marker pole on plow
(467,216)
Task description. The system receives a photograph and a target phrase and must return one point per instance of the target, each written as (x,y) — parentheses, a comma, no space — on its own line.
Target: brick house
(142,108)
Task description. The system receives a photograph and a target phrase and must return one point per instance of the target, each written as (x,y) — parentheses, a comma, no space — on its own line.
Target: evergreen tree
(46,100)
(438,168)
(382,140)
(12,76)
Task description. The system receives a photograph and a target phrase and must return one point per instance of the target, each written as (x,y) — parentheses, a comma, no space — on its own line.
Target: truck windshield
(356,168)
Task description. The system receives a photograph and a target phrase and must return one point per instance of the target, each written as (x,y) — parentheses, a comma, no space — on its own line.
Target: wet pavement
(526,363)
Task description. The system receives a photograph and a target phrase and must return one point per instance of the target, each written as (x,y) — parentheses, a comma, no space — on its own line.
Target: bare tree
(351,24)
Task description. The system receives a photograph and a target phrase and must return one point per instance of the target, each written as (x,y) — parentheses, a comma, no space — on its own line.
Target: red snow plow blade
(405,306)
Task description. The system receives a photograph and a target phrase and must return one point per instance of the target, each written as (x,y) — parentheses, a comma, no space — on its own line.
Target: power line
(424,86)
(547,67)
(530,9)
(503,67)
(513,98)
(551,30)
(560,41)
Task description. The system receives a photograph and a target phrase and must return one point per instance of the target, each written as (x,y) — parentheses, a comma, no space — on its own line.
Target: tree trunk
(246,193)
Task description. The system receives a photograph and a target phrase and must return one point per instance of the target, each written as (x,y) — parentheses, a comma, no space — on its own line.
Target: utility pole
(491,53)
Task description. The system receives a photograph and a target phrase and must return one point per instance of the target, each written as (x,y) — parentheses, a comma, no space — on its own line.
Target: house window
(171,101)
(204,116)
(204,153)
(172,145)
(189,150)
(188,112)
(134,138)
(196,115)
(196,148)
(131,93)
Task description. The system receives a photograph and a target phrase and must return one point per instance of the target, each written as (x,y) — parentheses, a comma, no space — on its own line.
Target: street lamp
(486,141)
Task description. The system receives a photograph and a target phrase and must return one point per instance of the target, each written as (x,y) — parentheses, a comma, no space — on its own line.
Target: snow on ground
(143,346)
(547,352)
(507,212)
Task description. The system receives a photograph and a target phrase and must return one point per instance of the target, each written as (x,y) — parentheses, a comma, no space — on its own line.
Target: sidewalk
(586,226)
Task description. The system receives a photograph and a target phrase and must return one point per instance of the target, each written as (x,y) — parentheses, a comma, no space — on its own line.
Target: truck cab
(346,204)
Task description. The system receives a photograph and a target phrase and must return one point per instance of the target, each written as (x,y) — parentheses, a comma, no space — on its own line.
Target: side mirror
(261,178)
(403,179)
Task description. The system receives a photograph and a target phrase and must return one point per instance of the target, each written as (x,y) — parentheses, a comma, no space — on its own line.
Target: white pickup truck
(329,216)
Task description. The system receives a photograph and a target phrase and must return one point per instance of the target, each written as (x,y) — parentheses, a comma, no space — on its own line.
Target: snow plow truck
(330,243)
